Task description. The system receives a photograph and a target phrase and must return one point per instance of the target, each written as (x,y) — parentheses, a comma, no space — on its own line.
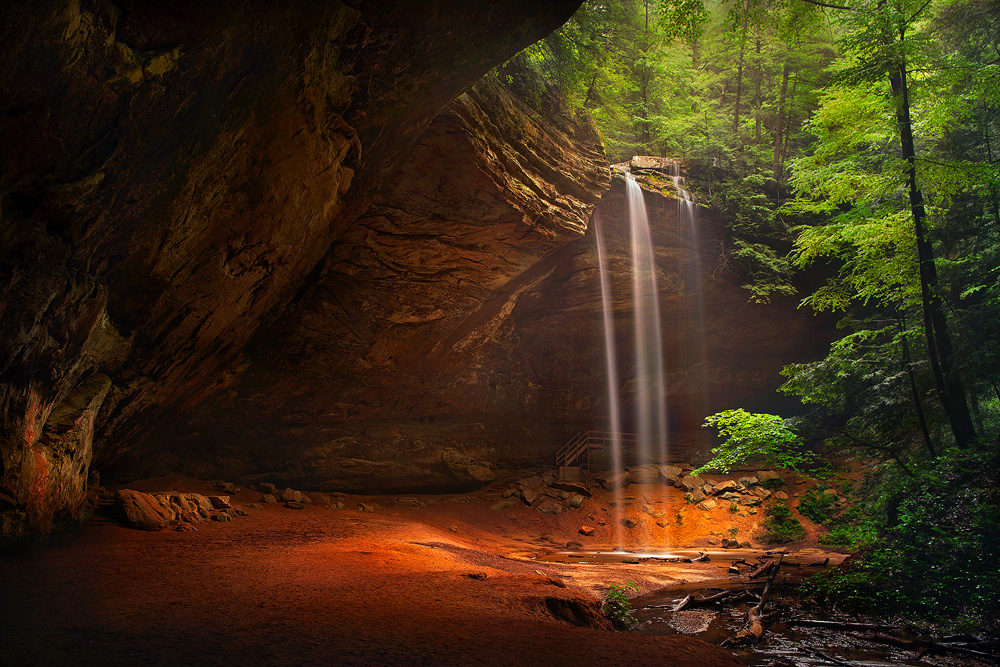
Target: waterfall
(610,353)
(687,215)
(651,395)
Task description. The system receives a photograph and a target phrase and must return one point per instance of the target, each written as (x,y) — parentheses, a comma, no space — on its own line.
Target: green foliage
(817,505)
(771,484)
(752,436)
(936,554)
(780,526)
(733,532)
(617,606)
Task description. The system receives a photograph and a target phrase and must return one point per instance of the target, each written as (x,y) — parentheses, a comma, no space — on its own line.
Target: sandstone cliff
(171,175)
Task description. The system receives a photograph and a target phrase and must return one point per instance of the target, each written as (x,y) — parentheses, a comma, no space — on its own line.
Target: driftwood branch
(753,629)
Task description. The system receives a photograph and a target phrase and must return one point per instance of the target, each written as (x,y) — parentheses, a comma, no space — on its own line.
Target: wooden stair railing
(584,441)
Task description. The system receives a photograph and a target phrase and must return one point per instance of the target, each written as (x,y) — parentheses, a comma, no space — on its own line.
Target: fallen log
(682,604)
(762,569)
(828,658)
(925,646)
(703,558)
(840,625)
(753,629)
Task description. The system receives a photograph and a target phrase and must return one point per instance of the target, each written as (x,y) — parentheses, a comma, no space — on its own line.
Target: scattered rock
(338,506)
(453,529)
(781,495)
(691,482)
(730,496)
(749,481)
(728,543)
(268,498)
(761,493)
(571,487)
(290,495)
(588,531)
(304,499)
(707,505)
(501,505)
(629,523)
(670,475)
(550,507)
(510,491)
(253,506)
(612,481)
(575,501)
(141,510)
(765,476)
(219,502)
(695,496)
(713,541)
(292,505)
(662,524)
(407,502)
(227,487)
(203,503)
(644,474)
(750,511)
(750,501)
(722,487)
(266,487)
(369,507)
(708,489)
(185,527)
(529,496)
(573,544)
(221,516)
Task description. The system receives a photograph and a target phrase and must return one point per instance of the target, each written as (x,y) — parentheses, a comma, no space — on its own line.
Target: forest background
(851,149)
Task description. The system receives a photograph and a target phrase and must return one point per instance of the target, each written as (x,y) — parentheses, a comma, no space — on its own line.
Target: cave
(309,315)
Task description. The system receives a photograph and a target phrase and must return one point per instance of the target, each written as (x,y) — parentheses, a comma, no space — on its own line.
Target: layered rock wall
(171,175)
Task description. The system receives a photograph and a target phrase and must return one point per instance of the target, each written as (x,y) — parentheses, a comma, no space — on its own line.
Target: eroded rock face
(378,378)
(171,175)
(455,332)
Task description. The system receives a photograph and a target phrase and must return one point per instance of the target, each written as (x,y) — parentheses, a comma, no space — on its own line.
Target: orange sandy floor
(328,587)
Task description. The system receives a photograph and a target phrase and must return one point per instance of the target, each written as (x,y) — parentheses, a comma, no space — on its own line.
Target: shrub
(617,606)
(780,526)
(817,506)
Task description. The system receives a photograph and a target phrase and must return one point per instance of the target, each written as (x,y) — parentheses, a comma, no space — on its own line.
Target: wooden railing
(584,441)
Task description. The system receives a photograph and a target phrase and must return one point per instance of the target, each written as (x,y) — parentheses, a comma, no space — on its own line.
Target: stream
(788,640)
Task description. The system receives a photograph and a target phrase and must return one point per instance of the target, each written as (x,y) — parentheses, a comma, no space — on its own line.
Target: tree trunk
(949,386)
(779,131)
(739,86)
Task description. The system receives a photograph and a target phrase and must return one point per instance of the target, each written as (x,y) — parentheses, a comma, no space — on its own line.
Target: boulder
(338,506)
(575,501)
(510,491)
(304,499)
(290,495)
(644,474)
(749,481)
(761,492)
(722,487)
(222,517)
(219,502)
(550,507)
(730,497)
(204,505)
(781,495)
(266,487)
(708,489)
(662,524)
(728,543)
(529,496)
(695,496)
(670,474)
(571,487)
(765,476)
(141,510)
(268,498)
(750,501)
(501,505)
(691,482)
(629,522)
(588,531)
(480,473)
(573,544)
(613,481)
(707,505)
